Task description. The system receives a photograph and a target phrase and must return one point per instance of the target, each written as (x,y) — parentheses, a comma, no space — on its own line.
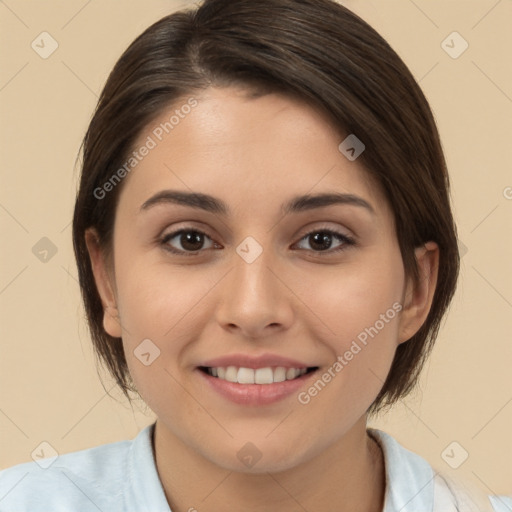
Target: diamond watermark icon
(454,45)
(249,249)
(454,455)
(146,352)
(44,250)
(351,147)
(463,250)
(249,454)
(44,455)
(44,45)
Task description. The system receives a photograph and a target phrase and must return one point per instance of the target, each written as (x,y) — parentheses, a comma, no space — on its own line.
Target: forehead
(227,144)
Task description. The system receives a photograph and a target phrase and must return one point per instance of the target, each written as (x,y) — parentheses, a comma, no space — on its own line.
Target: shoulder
(84,480)
(412,485)
(460,495)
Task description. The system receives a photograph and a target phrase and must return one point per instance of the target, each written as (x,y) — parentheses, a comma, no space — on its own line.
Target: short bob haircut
(314,50)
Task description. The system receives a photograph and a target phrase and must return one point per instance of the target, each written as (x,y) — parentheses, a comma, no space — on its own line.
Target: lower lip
(256,394)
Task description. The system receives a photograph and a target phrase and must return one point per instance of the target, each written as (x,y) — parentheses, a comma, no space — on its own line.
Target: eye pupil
(190,238)
(323,239)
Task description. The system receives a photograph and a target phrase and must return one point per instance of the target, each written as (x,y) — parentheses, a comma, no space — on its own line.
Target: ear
(104,284)
(418,296)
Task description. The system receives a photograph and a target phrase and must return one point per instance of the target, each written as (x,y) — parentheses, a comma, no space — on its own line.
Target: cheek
(360,310)
(349,300)
(164,304)
(153,294)
(157,304)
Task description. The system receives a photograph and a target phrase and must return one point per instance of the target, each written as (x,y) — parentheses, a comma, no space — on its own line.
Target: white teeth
(231,374)
(245,376)
(265,375)
(279,374)
(291,373)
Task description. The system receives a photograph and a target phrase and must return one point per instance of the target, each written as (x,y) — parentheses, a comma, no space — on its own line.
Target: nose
(256,300)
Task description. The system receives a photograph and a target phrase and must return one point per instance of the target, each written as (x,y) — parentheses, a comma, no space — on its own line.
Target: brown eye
(188,240)
(321,240)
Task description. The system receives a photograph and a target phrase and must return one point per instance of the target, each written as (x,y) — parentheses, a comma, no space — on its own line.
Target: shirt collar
(143,488)
(409,477)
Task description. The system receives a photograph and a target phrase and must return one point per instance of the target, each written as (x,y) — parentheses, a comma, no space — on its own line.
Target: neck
(349,476)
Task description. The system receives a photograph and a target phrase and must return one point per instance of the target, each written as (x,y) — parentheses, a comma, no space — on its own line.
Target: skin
(294,300)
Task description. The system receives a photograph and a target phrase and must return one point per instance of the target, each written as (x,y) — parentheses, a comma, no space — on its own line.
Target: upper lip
(260,361)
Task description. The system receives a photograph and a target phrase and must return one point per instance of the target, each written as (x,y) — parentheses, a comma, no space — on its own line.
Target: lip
(256,394)
(260,361)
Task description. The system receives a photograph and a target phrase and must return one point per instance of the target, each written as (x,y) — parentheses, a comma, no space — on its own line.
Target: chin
(248,458)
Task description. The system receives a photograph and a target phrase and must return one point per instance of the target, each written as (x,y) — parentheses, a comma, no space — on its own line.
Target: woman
(265,249)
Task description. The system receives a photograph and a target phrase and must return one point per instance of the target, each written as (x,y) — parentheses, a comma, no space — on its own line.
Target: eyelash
(347,241)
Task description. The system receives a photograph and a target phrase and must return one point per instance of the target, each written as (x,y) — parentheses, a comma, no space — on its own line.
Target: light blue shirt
(122,477)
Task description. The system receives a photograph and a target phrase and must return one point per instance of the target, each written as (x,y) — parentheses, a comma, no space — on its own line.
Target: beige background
(48,382)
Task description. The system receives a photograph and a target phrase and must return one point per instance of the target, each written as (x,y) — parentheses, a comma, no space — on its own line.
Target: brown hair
(319,51)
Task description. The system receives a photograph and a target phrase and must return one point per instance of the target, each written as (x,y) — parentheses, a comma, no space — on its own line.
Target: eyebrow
(214,205)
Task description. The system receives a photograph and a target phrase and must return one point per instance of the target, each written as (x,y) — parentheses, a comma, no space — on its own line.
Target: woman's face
(256,284)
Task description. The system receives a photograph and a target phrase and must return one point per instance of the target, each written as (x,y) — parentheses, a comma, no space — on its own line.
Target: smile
(255,386)
(266,375)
